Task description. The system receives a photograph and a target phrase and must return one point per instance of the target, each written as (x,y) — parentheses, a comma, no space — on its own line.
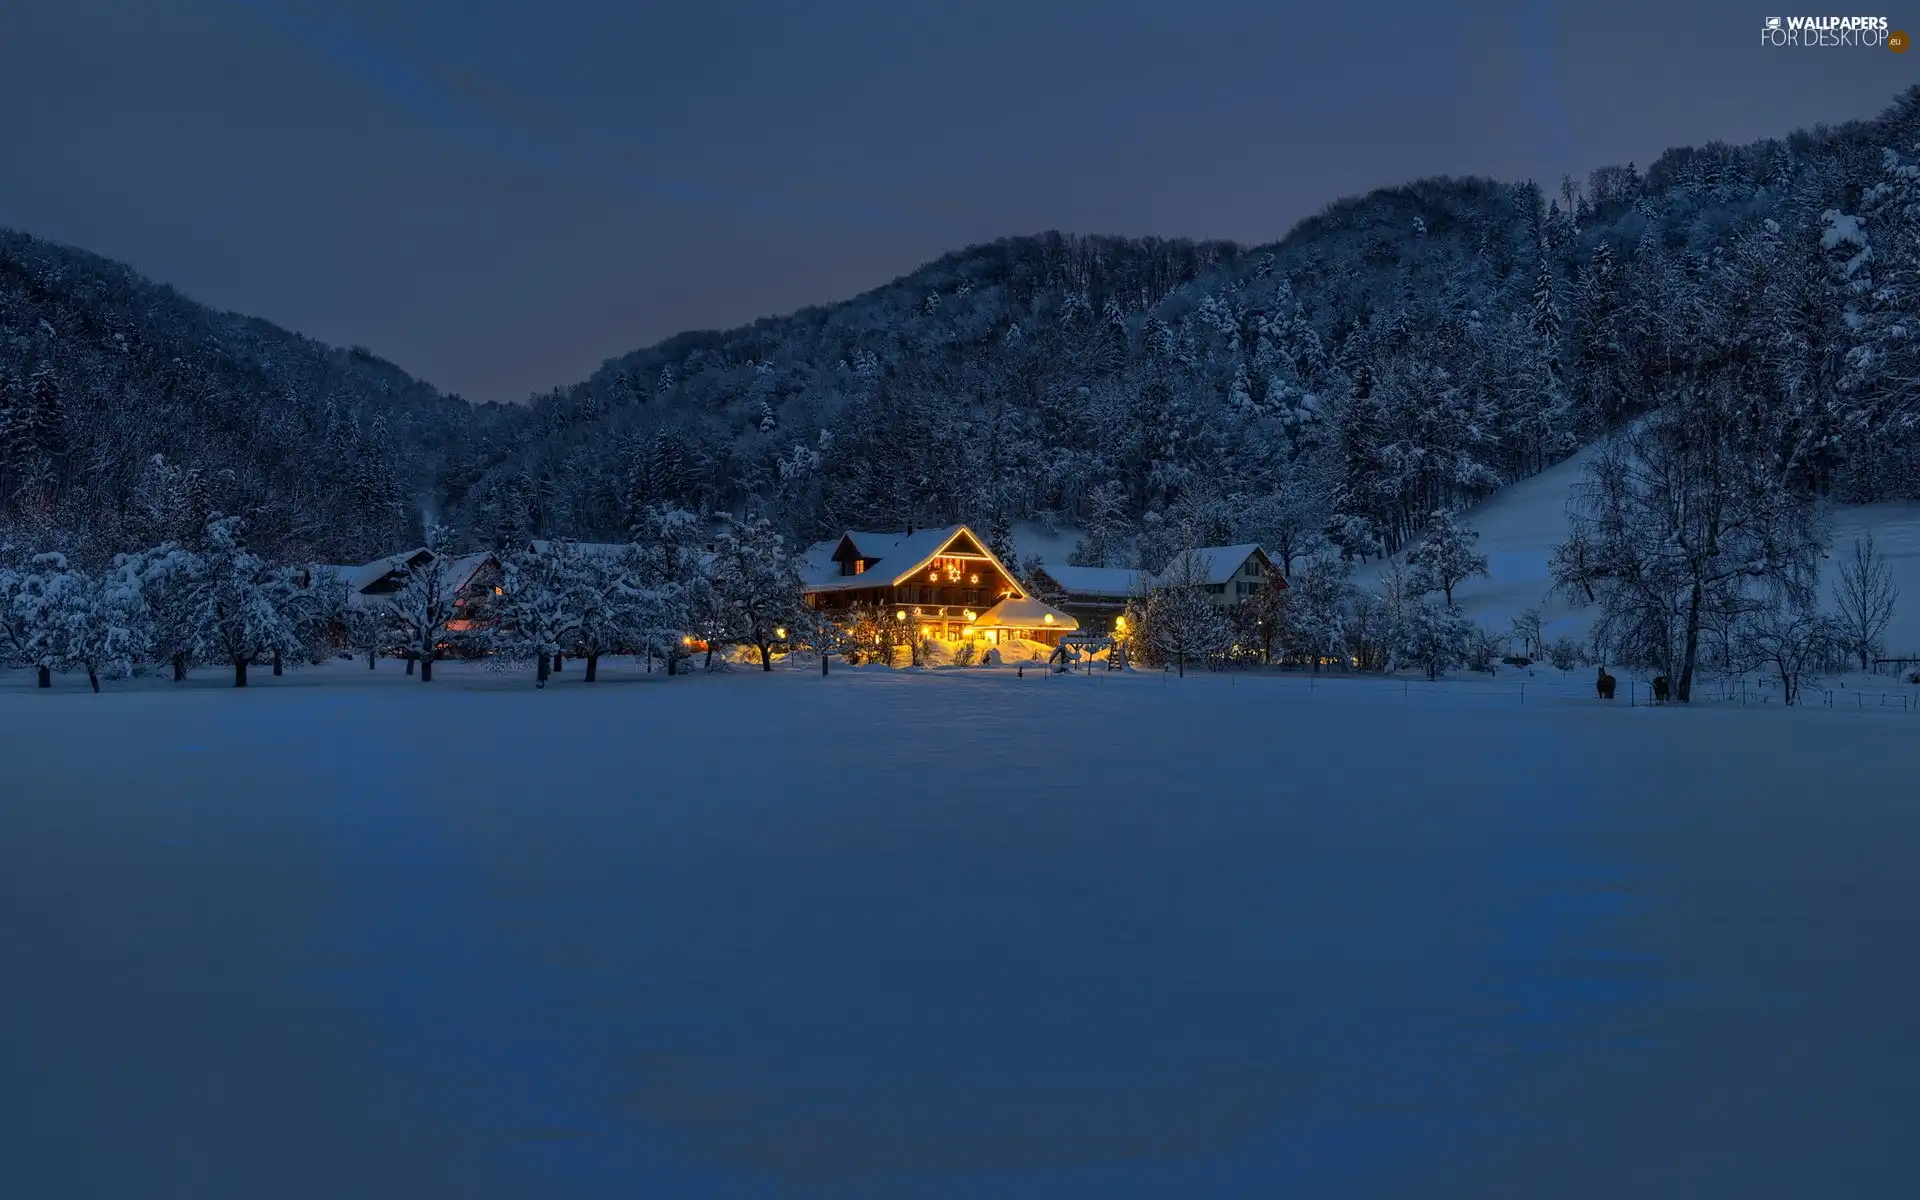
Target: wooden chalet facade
(943,583)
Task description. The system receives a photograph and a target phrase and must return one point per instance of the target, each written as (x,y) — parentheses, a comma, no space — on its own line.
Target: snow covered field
(954,934)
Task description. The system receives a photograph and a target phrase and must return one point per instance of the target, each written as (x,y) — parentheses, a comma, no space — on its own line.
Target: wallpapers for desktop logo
(1861,32)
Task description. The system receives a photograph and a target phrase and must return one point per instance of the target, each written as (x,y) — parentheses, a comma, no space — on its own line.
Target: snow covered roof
(359,578)
(1025,614)
(457,571)
(1219,564)
(892,557)
(1115,582)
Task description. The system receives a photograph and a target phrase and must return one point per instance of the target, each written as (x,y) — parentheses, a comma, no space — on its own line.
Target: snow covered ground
(951,934)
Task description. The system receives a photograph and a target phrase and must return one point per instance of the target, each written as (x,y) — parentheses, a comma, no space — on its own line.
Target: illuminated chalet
(943,583)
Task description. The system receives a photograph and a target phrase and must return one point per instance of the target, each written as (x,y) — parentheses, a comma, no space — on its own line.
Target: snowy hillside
(1520,525)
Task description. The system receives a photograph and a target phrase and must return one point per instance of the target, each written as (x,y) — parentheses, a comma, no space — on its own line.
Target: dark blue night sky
(498,196)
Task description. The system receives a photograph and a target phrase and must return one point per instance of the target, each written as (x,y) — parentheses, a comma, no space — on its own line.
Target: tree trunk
(426,669)
(93,679)
(179,668)
(409,662)
(593,667)
(370,657)
(46,678)
(709,663)
(1684,694)
(276,662)
(239,672)
(557,660)
(1183,666)
(544,667)
(823,662)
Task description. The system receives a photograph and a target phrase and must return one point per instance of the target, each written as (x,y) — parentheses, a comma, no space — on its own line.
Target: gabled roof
(359,578)
(892,557)
(456,571)
(1219,564)
(1115,583)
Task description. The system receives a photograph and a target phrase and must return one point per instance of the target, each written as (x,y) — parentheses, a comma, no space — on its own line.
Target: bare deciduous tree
(1864,596)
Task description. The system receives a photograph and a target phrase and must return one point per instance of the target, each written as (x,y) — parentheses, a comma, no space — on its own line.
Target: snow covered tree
(1179,620)
(1678,516)
(1290,522)
(314,601)
(424,604)
(537,615)
(1435,637)
(759,587)
(75,621)
(1864,595)
(611,605)
(102,622)
(1884,361)
(1105,525)
(40,607)
(1317,606)
(169,580)
(1445,556)
(13,621)
(369,630)
(235,614)
(671,571)
(1259,621)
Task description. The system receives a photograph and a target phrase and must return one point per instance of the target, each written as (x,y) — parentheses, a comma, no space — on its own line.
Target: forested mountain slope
(128,413)
(1413,349)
